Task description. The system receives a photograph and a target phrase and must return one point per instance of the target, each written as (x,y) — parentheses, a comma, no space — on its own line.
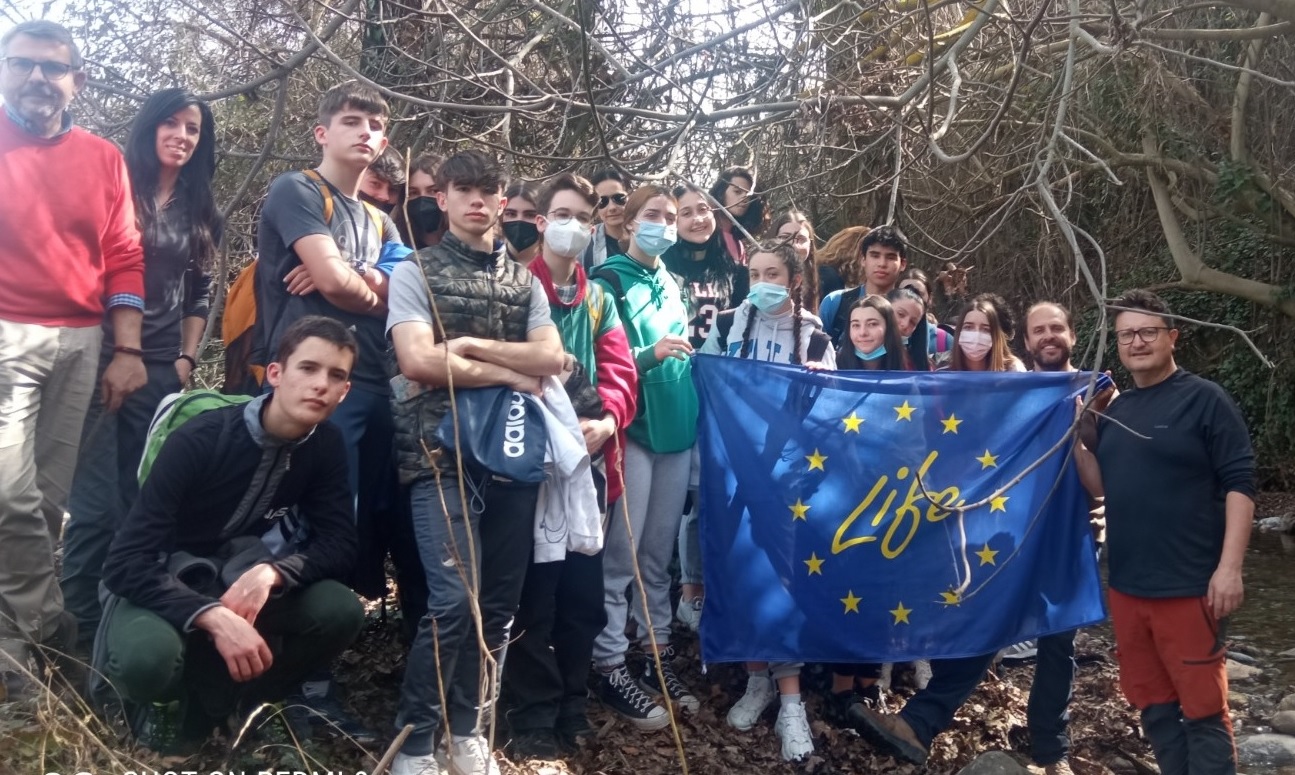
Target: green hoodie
(652,307)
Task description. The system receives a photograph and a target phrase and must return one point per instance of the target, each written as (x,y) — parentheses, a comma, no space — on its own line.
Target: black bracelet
(128,351)
(193,363)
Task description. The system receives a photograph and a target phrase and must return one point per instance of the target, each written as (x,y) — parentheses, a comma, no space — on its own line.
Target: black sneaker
(623,695)
(533,744)
(325,715)
(571,730)
(679,693)
(157,727)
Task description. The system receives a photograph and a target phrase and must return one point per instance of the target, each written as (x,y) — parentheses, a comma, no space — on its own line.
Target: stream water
(1267,618)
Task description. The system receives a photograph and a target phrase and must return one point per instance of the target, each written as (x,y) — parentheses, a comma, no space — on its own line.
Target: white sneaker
(1020,652)
(759,696)
(688,612)
(472,757)
(793,729)
(404,764)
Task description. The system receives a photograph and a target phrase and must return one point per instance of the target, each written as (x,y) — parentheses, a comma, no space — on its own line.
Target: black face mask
(521,235)
(424,215)
(383,206)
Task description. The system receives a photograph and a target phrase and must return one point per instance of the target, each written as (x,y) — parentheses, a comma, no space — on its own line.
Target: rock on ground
(1273,750)
(1287,703)
(1240,672)
(1284,722)
(994,763)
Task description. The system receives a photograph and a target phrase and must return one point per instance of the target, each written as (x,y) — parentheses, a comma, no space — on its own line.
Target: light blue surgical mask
(654,238)
(767,297)
(872,356)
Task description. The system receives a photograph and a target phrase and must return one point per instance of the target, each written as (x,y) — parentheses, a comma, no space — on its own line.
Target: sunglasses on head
(619,199)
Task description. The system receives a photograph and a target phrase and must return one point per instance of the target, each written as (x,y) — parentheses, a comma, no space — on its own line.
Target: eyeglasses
(583,220)
(619,199)
(1147,335)
(51,70)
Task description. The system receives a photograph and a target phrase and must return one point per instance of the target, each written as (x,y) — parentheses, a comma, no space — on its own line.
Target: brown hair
(1001,326)
(638,200)
(326,328)
(795,268)
(566,182)
(354,95)
(842,253)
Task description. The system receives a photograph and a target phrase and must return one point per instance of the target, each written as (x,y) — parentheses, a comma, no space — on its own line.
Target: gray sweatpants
(654,496)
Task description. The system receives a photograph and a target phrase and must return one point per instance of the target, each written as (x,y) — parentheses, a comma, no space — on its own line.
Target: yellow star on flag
(951,424)
(816,460)
(998,504)
(904,412)
(851,602)
(901,613)
(987,555)
(987,461)
(952,597)
(852,422)
(815,564)
(798,510)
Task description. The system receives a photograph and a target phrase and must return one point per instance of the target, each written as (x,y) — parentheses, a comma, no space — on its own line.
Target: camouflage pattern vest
(485,295)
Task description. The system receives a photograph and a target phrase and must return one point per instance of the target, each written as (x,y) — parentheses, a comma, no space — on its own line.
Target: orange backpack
(243,374)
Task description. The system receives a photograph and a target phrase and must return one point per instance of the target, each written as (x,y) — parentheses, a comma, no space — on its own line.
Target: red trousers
(1170,650)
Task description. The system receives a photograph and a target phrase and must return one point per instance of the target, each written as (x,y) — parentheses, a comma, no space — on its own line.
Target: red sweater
(68,239)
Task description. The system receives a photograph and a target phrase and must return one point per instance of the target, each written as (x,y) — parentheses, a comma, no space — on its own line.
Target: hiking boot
(1059,768)
(792,729)
(157,725)
(624,696)
(679,693)
(472,757)
(571,730)
(759,696)
(688,612)
(891,734)
(533,744)
(405,764)
(324,714)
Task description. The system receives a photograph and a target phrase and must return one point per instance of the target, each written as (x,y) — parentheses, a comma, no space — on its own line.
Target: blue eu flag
(830,522)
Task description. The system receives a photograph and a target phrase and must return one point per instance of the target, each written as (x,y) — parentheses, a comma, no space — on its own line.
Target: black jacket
(200,477)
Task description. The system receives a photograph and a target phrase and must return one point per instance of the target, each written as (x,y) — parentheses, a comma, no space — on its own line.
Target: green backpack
(174,411)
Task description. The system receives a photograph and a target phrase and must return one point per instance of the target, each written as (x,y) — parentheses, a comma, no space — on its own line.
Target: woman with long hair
(794,228)
(985,330)
(840,261)
(171,157)
(419,220)
(736,194)
(874,341)
(911,319)
(658,450)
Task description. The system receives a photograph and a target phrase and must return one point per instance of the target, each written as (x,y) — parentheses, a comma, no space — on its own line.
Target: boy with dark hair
(884,253)
(225,577)
(490,326)
(1174,460)
(314,264)
(562,610)
(383,184)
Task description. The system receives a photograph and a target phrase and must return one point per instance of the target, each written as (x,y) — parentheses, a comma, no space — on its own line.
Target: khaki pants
(46,378)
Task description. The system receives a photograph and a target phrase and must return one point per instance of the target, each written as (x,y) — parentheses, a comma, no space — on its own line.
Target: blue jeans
(930,711)
(445,658)
(104,488)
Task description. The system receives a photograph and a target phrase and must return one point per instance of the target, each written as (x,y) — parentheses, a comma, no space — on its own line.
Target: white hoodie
(770,336)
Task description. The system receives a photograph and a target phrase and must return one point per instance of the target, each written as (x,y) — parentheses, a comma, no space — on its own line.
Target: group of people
(229,576)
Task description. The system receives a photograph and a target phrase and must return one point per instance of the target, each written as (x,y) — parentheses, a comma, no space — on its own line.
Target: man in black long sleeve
(225,578)
(1179,506)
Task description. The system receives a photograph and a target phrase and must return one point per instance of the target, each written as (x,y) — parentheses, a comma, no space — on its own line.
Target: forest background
(1060,149)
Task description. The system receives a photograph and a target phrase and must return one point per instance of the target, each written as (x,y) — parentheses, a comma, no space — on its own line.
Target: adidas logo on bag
(515,427)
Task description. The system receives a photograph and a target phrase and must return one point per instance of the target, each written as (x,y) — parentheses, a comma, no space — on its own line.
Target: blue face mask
(767,297)
(872,356)
(654,238)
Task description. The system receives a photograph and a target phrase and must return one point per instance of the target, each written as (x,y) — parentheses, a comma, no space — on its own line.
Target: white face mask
(566,238)
(974,344)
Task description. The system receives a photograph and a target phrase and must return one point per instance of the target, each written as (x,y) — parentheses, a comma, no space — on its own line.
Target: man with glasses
(562,610)
(70,251)
(1174,460)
